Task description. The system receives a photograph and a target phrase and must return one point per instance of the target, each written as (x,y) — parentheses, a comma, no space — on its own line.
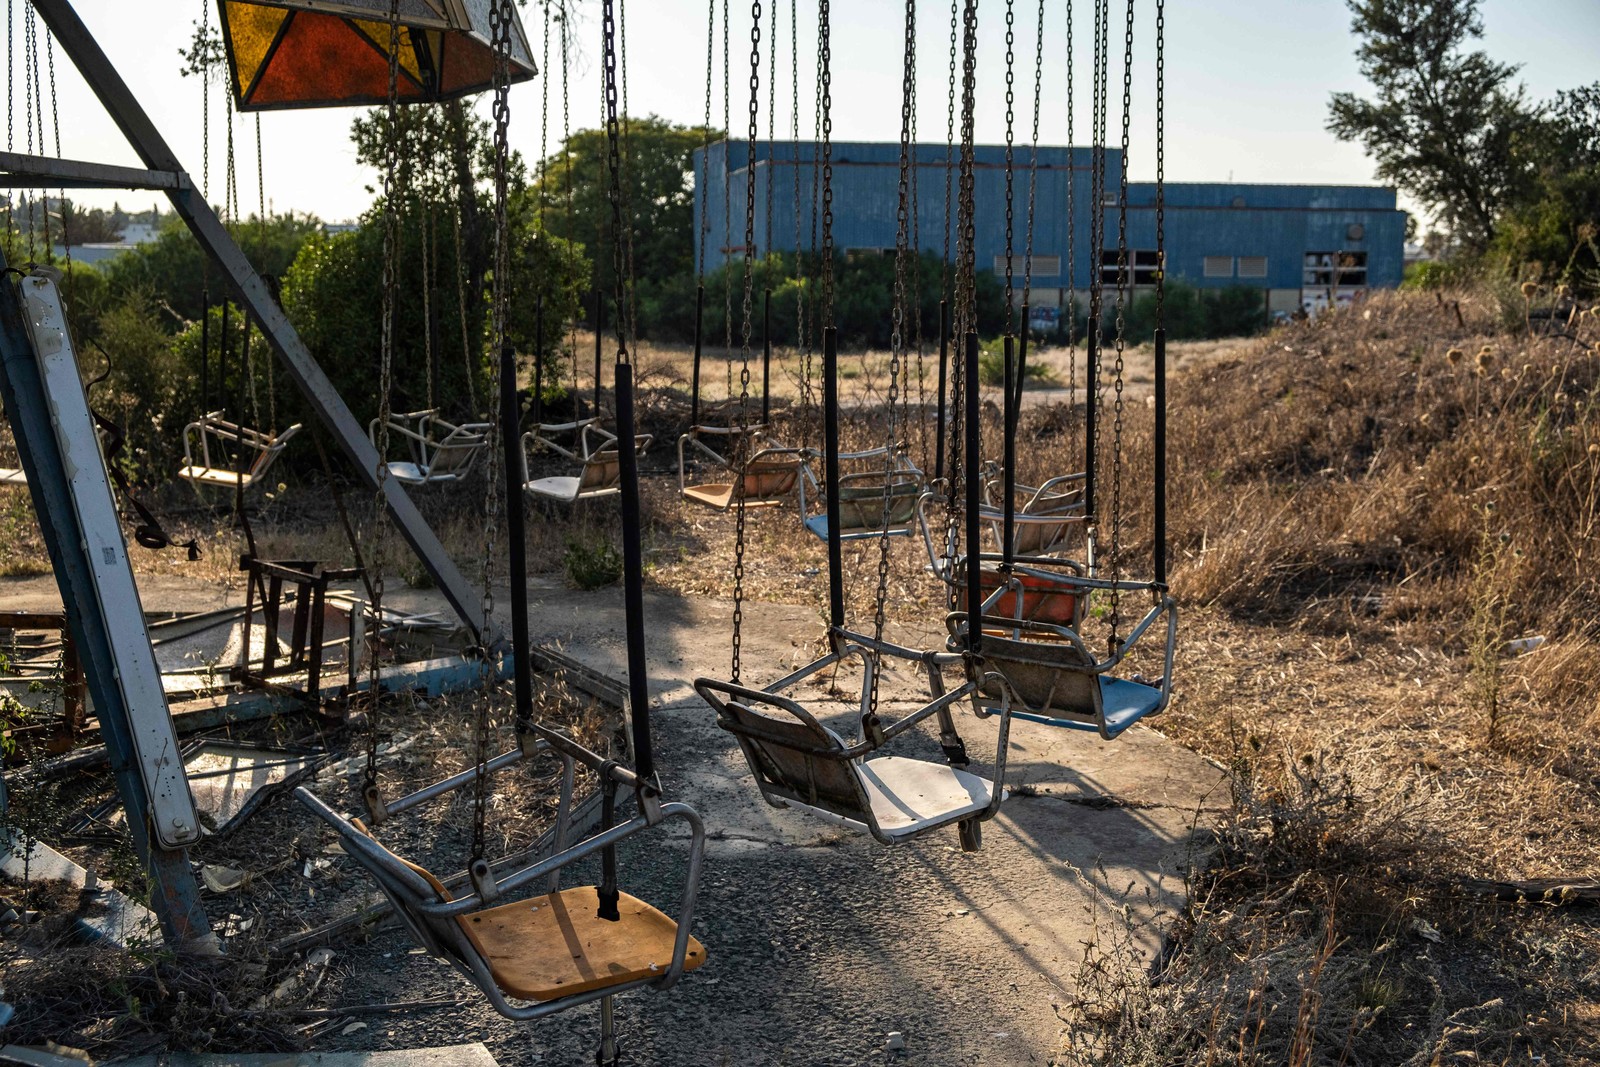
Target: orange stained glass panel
(322,59)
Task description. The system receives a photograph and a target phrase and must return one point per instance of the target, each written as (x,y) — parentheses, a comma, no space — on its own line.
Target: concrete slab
(103,914)
(473,1055)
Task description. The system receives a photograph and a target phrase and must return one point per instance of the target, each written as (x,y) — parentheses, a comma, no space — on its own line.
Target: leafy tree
(1558,224)
(1446,125)
(570,194)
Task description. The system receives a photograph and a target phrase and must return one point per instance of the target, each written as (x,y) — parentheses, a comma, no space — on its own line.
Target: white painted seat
(211,445)
(799,762)
(441,451)
(600,475)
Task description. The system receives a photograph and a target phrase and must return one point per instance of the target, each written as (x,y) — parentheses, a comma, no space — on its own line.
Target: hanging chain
(625,186)
(391,243)
(966,312)
(825,62)
(261,175)
(1072,233)
(947,283)
(1161,164)
(11,98)
(703,188)
(727,196)
(799,259)
(501,16)
(1033,157)
(1011,97)
(772,123)
(544,119)
(566,170)
(897,342)
(619,253)
(1125,283)
(742,443)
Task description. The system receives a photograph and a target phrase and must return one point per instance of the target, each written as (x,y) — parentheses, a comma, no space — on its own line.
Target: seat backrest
(455,453)
(385,869)
(861,499)
(793,757)
(767,478)
(1047,671)
(275,445)
(601,471)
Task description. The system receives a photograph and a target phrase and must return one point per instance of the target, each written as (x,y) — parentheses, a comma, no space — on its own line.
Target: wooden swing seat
(556,945)
(766,483)
(552,946)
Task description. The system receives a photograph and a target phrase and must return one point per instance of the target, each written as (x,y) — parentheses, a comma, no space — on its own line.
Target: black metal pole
(1022,360)
(517,542)
(974,528)
(224,349)
(1160,546)
(944,371)
(830,447)
(538,364)
(435,346)
(699,320)
(766,359)
(1091,410)
(633,577)
(1008,477)
(599,335)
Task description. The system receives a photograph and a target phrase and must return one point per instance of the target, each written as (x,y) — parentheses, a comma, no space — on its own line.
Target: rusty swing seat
(769,475)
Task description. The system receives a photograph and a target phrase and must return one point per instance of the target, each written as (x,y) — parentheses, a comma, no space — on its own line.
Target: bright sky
(1247,85)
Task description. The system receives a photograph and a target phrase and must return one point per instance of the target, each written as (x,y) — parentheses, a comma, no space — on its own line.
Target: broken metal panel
(115,595)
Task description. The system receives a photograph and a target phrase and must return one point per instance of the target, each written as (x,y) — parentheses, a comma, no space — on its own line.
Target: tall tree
(1445,124)
(657,166)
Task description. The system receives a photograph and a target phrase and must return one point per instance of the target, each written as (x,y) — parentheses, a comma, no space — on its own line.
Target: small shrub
(992,366)
(591,561)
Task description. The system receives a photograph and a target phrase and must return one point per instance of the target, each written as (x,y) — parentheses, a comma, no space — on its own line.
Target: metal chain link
(799,259)
(544,116)
(897,341)
(1072,232)
(965,317)
(614,191)
(947,283)
(391,242)
(1033,157)
(1125,281)
(825,62)
(501,17)
(742,449)
(1011,96)
(727,195)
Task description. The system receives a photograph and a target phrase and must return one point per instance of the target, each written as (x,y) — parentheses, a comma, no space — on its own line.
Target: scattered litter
(306,979)
(1427,931)
(896,1042)
(220,879)
(1525,644)
(352,1028)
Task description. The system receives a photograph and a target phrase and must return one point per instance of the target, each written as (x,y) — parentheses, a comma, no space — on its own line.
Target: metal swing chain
(619,252)
(702,190)
(947,281)
(799,260)
(1072,234)
(727,197)
(391,237)
(11,97)
(772,121)
(965,311)
(500,20)
(1097,224)
(897,342)
(567,168)
(825,61)
(1011,96)
(916,289)
(625,186)
(742,446)
(544,117)
(1125,280)
(261,175)
(1033,159)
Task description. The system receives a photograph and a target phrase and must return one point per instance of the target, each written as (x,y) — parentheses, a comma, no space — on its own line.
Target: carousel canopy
(334,53)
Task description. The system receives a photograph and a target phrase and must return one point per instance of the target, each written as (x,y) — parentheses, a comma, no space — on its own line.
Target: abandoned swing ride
(1045,602)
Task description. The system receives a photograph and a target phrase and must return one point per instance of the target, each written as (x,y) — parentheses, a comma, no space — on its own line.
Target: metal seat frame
(852,809)
(601,472)
(212,427)
(1047,513)
(862,494)
(768,464)
(441,451)
(433,920)
(1049,674)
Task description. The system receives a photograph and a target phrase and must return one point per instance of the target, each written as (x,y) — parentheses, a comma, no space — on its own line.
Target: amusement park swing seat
(601,474)
(799,762)
(863,493)
(769,475)
(551,951)
(441,451)
(1045,673)
(1044,515)
(203,470)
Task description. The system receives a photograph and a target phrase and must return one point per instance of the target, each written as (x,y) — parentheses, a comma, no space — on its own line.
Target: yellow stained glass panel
(251,31)
(379,32)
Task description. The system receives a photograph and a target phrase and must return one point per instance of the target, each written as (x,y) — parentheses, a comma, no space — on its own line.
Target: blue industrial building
(1304,246)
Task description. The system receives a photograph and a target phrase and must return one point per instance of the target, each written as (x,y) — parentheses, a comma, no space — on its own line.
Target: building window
(1219,266)
(1335,270)
(1146,265)
(1043,266)
(1252,266)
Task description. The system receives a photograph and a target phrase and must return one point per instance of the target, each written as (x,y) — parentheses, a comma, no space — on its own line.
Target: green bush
(592,561)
